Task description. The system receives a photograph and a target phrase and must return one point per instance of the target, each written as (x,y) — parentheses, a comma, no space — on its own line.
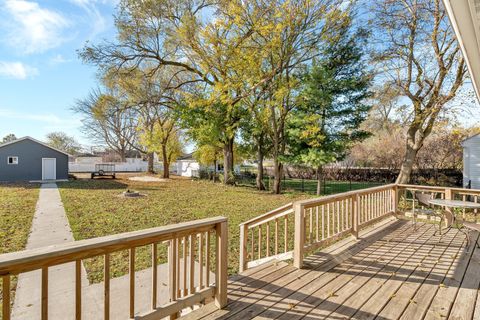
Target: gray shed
(27,159)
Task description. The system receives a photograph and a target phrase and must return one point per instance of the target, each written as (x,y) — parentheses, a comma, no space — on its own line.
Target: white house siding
(471,161)
(185,168)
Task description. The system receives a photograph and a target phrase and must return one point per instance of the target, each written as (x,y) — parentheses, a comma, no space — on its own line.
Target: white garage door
(49,169)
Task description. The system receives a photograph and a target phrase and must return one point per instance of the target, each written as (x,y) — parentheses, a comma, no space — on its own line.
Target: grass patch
(310,186)
(17,207)
(94,210)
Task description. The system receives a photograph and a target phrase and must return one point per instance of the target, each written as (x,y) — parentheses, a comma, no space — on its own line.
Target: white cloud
(58,59)
(95,18)
(17,70)
(33,29)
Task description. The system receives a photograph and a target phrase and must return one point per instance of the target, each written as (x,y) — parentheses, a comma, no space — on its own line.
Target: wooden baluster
(349,212)
(371,206)
(328,220)
(200,261)
(192,263)
(463,211)
(106,286)
(154,275)
(6,297)
(267,231)
(179,287)
(44,293)
(78,289)
(334,218)
(355,208)
(316,224)
(323,222)
(311,225)
(382,203)
(185,267)
(304,215)
(132,282)
(207,263)
(363,206)
(172,272)
(253,246)
(285,234)
(475,200)
(276,236)
(259,241)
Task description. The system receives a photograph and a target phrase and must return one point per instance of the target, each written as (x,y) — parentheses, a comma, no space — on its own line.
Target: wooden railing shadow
(269,295)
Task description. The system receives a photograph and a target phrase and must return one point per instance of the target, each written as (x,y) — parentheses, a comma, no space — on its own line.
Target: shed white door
(49,166)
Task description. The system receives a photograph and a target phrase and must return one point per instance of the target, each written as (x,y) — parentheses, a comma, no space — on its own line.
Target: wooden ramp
(397,272)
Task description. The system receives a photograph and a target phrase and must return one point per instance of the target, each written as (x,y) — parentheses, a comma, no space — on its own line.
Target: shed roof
(186,156)
(33,140)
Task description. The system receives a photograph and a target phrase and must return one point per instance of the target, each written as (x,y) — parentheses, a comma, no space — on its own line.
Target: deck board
(396,273)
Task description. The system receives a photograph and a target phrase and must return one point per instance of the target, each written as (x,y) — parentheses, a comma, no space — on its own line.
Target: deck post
(299,239)
(243,247)
(449,215)
(221,271)
(355,216)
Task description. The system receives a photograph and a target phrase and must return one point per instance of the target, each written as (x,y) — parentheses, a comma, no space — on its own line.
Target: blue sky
(41,75)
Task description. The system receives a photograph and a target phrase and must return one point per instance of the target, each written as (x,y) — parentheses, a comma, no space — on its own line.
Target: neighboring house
(187,166)
(27,159)
(471,161)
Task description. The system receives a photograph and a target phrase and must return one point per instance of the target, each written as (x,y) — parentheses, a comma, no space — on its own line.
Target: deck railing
(266,237)
(321,221)
(291,230)
(408,191)
(189,249)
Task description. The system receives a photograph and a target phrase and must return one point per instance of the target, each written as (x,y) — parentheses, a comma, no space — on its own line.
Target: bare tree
(107,120)
(417,52)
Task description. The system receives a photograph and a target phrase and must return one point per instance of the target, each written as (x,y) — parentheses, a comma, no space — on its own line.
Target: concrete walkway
(50,226)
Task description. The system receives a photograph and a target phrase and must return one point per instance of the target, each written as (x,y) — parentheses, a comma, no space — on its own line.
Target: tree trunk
(260,184)
(407,164)
(228,162)
(150,162)
(277,175)
(319,180)
(214,178)
(166,163)
(123,157)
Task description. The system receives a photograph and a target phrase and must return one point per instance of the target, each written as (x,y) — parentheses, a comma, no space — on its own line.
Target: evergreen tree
(331,104)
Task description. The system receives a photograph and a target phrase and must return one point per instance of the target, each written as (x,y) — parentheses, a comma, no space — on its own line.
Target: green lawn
(17,206)
(94,209)
(310,186)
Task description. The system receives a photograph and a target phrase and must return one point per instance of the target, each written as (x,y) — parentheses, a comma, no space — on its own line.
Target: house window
(12,160)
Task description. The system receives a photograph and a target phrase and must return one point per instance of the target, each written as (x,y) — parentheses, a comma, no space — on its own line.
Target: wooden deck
(396,272)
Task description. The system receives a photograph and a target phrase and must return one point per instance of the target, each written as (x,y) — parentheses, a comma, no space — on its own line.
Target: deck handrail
(308,224)
(321,221)
(181,239)
(277,216)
